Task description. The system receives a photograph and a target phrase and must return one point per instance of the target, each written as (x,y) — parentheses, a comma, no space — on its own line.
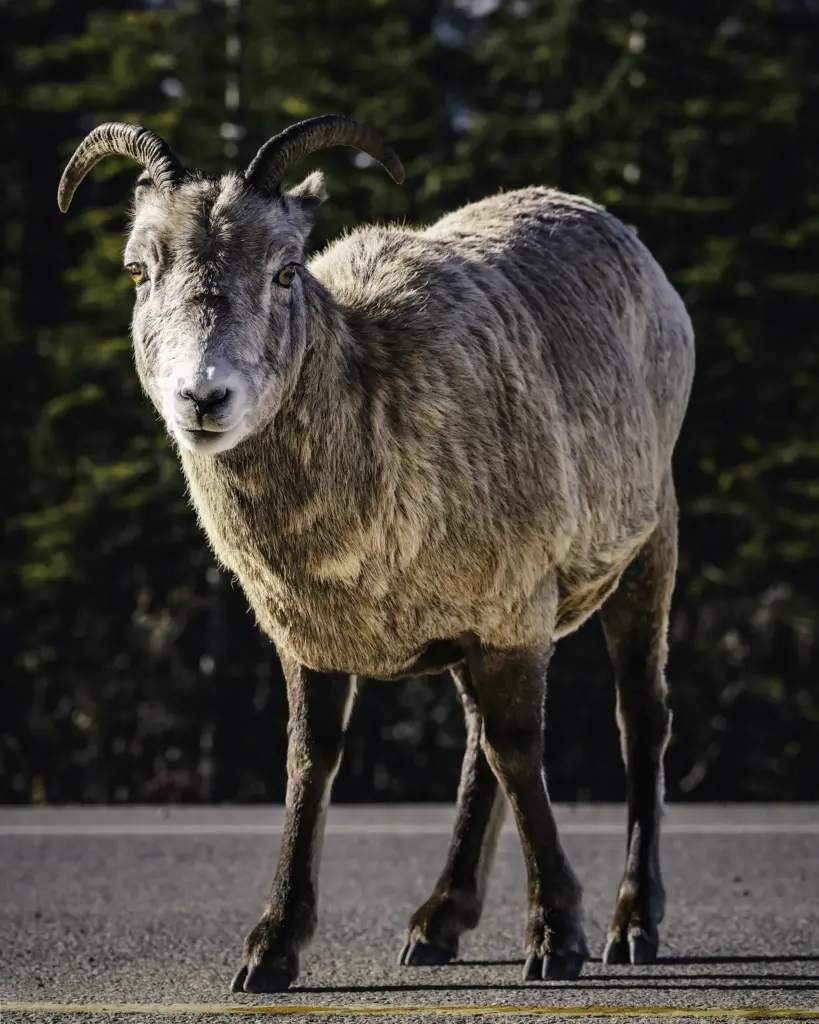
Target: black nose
(206,401)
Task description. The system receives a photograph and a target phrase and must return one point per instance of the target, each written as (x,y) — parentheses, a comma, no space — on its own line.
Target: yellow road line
(385,1010)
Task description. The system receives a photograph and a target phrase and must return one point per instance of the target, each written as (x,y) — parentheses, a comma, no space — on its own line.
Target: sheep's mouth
(201,432)
(209,442)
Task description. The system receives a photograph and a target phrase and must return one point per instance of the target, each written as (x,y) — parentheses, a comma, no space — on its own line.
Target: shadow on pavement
(644,978)
(748,983)
(681,960)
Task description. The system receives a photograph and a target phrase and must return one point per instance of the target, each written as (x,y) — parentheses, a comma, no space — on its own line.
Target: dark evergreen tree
(128,673)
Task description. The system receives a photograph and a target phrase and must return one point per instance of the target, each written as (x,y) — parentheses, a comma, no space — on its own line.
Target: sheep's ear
(144,186)
(307,197)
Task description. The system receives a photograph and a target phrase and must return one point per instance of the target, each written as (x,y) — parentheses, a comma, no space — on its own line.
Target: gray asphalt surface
(148,905)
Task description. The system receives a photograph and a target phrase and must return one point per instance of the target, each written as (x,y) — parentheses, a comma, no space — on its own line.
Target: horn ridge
(119,139)
(285,150)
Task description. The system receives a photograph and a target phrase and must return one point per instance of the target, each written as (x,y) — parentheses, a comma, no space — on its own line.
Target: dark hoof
(238,983)
(641,950)
(553,967)
(616,951)
(637,949)
(424,954)
(266,978)
(562,966)
(533,968)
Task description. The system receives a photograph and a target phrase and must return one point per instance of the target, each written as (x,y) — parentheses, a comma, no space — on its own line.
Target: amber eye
(286,275)
(137,272)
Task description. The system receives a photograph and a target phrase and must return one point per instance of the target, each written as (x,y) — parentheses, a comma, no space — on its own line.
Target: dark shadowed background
(131,667)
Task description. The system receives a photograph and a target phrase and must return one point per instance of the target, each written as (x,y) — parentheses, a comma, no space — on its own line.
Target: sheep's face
(218,321)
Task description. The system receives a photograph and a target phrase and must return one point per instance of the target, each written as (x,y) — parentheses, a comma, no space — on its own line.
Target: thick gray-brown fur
(435,448)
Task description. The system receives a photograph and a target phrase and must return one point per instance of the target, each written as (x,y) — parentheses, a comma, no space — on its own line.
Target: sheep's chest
(330,605)
(329,627)
(339,625)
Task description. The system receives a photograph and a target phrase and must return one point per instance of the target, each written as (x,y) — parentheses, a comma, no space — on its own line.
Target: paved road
(145,906)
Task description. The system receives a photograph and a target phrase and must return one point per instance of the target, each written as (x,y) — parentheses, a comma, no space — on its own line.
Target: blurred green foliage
(132,670)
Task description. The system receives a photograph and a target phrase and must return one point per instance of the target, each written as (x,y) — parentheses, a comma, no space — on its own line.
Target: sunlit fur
(464,429)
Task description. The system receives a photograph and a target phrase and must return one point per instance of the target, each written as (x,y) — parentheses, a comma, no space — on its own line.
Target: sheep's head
(219,312)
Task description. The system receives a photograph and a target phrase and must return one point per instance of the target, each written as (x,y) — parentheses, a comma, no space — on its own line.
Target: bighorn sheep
(424,450)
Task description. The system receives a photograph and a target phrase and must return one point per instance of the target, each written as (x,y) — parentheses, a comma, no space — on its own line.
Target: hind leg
(457,899)
(635,622)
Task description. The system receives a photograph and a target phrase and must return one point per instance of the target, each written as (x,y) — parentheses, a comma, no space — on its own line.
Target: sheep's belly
(379,623)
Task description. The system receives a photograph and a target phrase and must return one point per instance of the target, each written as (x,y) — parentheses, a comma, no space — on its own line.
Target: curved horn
(284,150)
(142,145)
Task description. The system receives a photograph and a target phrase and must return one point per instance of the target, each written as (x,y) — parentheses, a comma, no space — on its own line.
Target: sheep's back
(534,334)
(601,337)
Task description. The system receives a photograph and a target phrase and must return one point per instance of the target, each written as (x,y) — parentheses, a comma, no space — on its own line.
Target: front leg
(457,900)
(511,690)
(320,705)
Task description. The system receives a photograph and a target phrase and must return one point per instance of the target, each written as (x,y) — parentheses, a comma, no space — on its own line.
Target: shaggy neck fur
(316,444)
